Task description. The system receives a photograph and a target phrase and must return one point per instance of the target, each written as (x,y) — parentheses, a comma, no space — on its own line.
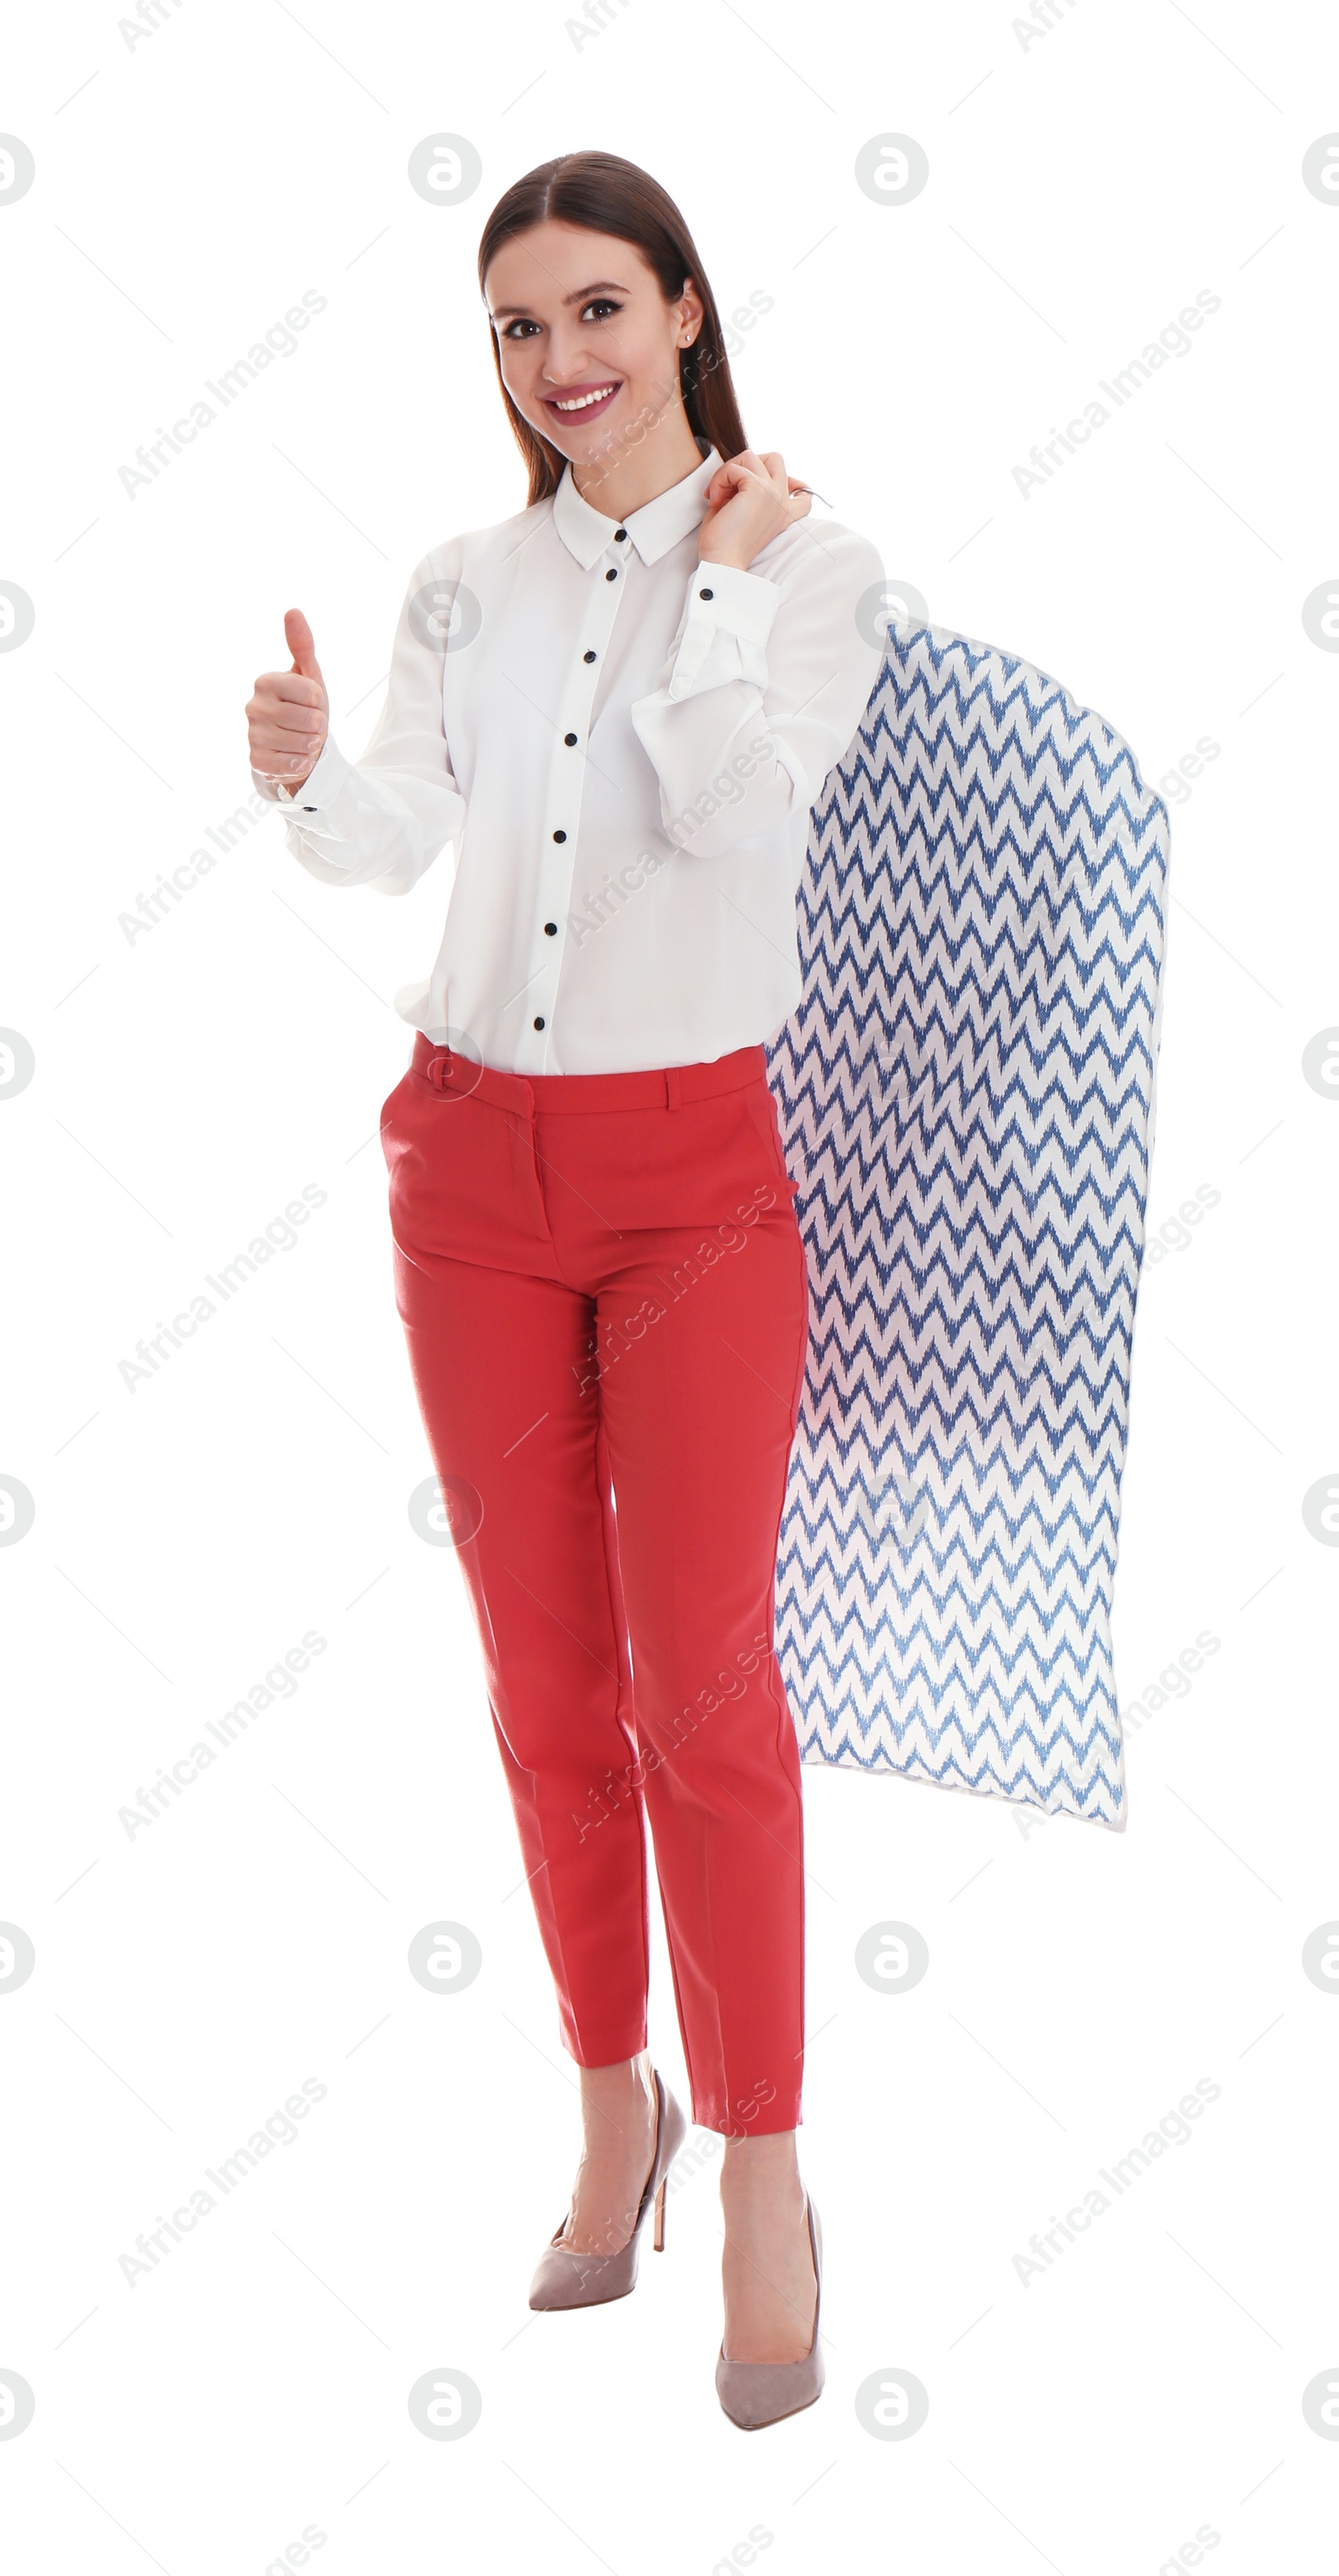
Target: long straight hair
(605,194)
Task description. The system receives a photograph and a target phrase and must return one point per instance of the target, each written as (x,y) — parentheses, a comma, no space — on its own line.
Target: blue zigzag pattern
(967,1098)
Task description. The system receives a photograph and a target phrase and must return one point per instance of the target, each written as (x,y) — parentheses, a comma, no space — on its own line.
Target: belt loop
(672,1086)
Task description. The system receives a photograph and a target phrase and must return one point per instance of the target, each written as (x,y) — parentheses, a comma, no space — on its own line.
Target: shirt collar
(654,528)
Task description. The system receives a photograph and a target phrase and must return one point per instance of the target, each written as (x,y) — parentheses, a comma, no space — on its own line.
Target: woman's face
(580,320)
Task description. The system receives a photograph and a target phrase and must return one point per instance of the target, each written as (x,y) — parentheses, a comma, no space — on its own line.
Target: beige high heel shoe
(753,2393)
(567,2280)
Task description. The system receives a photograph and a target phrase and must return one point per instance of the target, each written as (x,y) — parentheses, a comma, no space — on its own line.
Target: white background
(1083,187)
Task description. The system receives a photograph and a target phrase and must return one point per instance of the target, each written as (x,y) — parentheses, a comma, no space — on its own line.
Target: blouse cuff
(310,804)
(727,620)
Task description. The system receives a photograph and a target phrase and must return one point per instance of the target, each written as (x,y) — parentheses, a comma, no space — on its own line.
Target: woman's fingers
(298,696)
(749,499)
(728,477)
(737,471)
(296,738)
(302,645)
(288,713)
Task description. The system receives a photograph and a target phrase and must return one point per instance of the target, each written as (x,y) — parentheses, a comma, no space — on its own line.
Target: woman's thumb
(302,645)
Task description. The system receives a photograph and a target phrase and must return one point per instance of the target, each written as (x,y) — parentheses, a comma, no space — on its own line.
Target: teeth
(582,402)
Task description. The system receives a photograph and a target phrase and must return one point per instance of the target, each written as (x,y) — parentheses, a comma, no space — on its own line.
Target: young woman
(618,706)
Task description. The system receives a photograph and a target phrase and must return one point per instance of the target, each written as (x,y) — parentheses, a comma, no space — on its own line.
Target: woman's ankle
(760,2176)
(619,2097)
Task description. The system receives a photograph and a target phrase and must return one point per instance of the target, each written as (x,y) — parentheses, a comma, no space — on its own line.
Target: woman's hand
(749,500)
(289,714)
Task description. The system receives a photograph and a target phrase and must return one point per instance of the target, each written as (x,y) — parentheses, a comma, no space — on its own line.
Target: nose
(561,376)
(569,362)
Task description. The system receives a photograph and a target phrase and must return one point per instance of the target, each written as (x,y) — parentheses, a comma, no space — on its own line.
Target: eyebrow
(583,294)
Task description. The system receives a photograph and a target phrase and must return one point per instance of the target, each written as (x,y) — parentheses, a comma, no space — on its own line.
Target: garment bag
(967,1100)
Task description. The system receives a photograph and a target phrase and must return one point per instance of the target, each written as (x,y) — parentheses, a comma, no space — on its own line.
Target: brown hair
(605,194)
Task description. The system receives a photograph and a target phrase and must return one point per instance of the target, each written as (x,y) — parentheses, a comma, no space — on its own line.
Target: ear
(694,312)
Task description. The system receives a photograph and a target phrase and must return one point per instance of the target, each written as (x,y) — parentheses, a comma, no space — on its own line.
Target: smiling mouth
(584,402)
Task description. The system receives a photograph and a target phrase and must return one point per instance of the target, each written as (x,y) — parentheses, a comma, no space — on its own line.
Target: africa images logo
(1173,341)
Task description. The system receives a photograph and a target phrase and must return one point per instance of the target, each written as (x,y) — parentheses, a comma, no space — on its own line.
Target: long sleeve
(381,820)
(621,771)
(767,678)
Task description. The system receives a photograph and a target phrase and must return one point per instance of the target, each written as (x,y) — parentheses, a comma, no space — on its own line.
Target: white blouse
(622,745)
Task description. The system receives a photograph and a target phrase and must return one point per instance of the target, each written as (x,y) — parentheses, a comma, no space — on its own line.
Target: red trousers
(603,1289)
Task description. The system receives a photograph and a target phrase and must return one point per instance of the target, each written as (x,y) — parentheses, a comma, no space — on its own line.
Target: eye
(602,304)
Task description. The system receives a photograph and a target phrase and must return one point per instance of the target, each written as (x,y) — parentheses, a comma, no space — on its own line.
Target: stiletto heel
(567,2280)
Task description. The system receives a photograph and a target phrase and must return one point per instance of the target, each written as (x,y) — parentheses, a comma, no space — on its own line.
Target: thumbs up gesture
(288,714)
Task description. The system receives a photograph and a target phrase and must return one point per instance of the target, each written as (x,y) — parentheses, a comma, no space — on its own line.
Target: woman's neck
(630,475)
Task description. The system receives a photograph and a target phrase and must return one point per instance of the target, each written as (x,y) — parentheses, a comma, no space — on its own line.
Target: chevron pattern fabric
(967,1099)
